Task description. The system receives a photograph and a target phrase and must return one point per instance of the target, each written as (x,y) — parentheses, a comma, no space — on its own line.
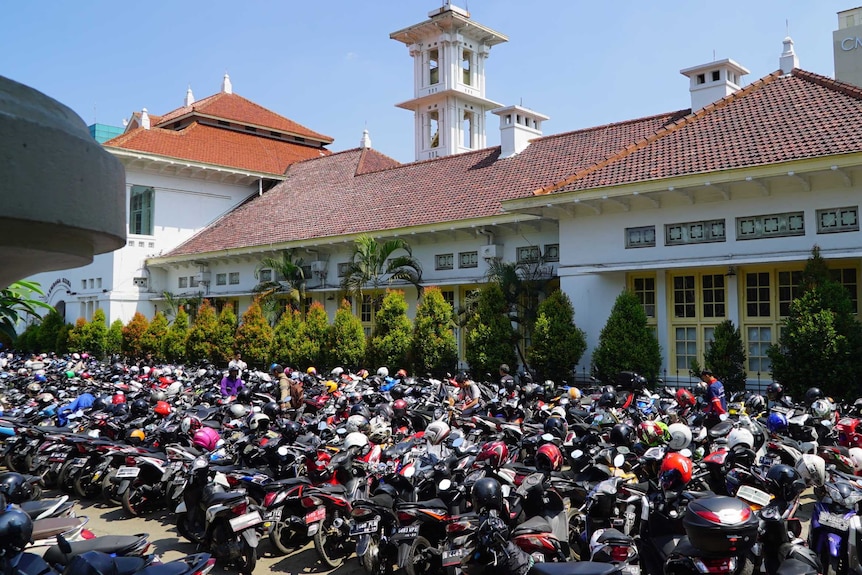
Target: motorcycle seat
(574,568)
(105,544)
(536,524)
(35,508)
(221,498)
(432,503)
(44,528)
(614,536)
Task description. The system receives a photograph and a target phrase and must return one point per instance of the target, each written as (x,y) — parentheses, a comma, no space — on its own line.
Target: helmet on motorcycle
(119,397)
(15,487)
(384,410)
(812,469)
(356,439)
(574,394)
(675,472)
(680,436)
(740,438)
(16,530)
(205,438)
(311,371)
(608,399)
(379,430)
(271,409)
(755,404)
(238,411)
(784,482)
(812,395)
(99,403)
(120,409)
(291,431)
(356,423)
(157,396)
(493,453)
(437,432)
(821,408)
(559,411)
(276,368)
(244,396)
(209,397)
(549,458)
(622,435)
(401,373)
(361,409)
(776,422)
(684,398)
(140,407)
(557,427)
(855,455)
(774,391)
(399,408)
(258,422)
(397,392)
(487,495)
(190,424)
(135,437)
(330,386)
(383,372)
(336,372)
(163,408)
(651,433)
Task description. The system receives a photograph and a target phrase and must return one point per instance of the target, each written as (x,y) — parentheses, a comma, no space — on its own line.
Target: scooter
(836,527)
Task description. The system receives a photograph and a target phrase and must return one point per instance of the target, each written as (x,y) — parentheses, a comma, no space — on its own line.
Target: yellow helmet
(574,393)
(136,436)
(331,386)
(311,371)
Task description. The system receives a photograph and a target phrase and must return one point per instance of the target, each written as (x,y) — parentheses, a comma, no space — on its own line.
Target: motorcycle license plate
(453,556)
(767,461)
(175,465)
(245,521)
(79,462)
(275,514)
(407,532)
(315,516)
(834,520)
(124,472)
(364,528)
(57,458)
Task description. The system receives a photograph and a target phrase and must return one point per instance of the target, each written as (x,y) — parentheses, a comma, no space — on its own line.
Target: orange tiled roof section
(340,194)
(775,119)
(240,110)
(211,145)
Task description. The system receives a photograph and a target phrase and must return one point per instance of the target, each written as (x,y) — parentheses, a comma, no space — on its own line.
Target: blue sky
(332,67)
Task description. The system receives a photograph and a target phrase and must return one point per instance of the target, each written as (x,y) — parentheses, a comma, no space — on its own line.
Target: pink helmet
(205,438)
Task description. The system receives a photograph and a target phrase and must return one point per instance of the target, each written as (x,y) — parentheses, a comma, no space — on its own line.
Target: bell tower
(449,51)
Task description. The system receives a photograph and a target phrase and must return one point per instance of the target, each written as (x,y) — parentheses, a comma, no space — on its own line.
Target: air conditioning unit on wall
(491,251)
(318,266)
(203,277)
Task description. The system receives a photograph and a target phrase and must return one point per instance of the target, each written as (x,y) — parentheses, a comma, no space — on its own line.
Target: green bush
(133,332)
(97,333)
(254,337)
(62,343)
(175,339)
(153,340)
(28,340)
(490,335)
(558,344)
(225,338)
(285,338)
(77,338)
(346,339)
(114,339)
(725,357)
(202,334)
(390,341)
(312,338)
(48,330)
(626,342)
(434,349)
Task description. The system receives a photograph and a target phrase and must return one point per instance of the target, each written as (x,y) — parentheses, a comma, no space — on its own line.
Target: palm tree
(288,279)
(372,266)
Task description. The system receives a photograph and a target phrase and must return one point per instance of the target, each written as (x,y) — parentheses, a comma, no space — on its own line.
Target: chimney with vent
(711,82)
(226,86)
(145,119)
(365,142)
(789,60)
(518,125)
(190,98)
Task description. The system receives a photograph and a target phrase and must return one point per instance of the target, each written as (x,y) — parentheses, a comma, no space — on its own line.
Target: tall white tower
(449,52)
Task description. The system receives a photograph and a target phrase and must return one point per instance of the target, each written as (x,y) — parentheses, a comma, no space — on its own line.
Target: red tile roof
(776,119)
(223,147)
(237,109)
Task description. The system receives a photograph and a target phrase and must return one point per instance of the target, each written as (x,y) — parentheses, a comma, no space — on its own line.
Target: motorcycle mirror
(619,459)
(623,450)
(321,426)
(444,485)
(409,472)
(341,431)
(282,450)
(547,437)
(458,442)
(577,454)
(685,452)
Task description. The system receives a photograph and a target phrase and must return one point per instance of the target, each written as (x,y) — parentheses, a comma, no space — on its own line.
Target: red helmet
(163,408)
(119,397)
(684,398)
(495,453)
(400,407)
(549,458)
(675,471)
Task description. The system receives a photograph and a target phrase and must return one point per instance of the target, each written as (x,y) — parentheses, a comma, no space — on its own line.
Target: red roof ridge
(829,83)
(660,133)
(606,126)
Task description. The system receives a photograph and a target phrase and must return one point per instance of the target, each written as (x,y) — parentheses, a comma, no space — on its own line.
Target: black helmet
(397,392)
(157,396)
(209,397)
(15,487)
(99,403)
(16,530)
(140,408)
(291,431)
(120,409)
(784,482)
(243,396)
(487,495)
(271,410)
(385,411)
(118,369)
(557,427)
(608,399)
(774,391)
(812,395)
(361,409)
(622,434)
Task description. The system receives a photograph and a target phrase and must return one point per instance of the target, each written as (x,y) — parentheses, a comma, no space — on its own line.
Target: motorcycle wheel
(420,560)
(37,492)
(246,562)
(183,528)
(84,485)
(746,566)
(284,539)
(372,561)
(109,488)
(64,477)
(133,501)
(330,543)
(576,529)
(13,463)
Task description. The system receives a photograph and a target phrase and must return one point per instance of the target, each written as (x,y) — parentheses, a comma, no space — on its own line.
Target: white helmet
(559,412)
(680,436)
(437,432)
(173,389)
(379,430)
(258,421)
(238,410)
(740,436)
(856,457)
(383,372)
(821,409)
(336,372)
(134,369)
(812,468)
(76,356)
(355,439)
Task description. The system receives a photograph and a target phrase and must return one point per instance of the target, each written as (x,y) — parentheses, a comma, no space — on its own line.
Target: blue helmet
(40,378)
(776,423)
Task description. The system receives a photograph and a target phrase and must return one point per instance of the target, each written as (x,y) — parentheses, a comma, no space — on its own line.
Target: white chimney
(226,85)
(145,119)
(365,142)
(711,82)
(190,98)
(789,60)
(518,125)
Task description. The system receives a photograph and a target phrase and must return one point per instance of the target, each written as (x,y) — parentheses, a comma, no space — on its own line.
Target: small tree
(204,331)
(725,357)
(77,336)
(490,335)
(254,336)
(346,338)
(434,349)
(390,341)
(626,342)
(48,330)
(62,343)
(821,343)
(94,335)
(285,337)
(28,340)
(153,340)
(224,341)
(175,339)
(132,334)
(558,344)
(114,340)
(312,337)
